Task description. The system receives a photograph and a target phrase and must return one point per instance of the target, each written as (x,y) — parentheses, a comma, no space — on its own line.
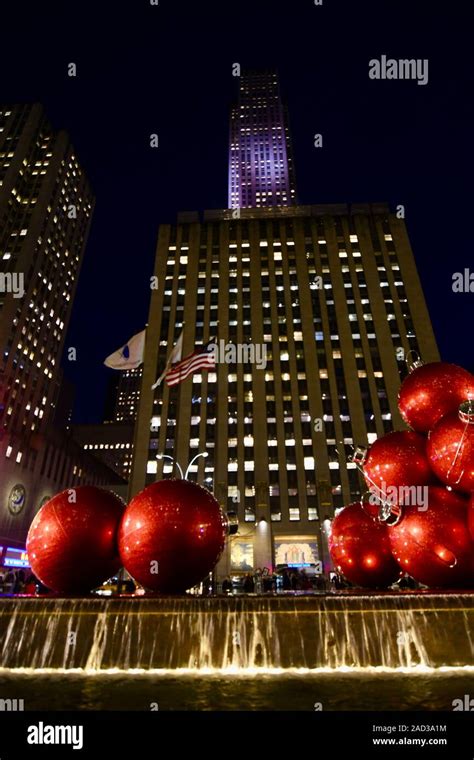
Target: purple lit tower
(261,169)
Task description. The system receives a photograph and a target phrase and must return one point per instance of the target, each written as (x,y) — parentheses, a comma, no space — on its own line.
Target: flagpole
(135,431)
(178,386)
(120,574)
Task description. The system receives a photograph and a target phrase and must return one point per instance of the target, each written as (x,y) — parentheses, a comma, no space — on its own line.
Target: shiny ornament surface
(396,461)
(451,449)
(432,391)
(172,535)
(470,516)
(360,548)
(72,541)
(434,546)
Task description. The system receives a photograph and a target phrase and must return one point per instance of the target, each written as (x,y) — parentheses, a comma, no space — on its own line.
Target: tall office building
(127,395)
(261,169)
(333,294)
(112,441)
(45,213)
(324,302)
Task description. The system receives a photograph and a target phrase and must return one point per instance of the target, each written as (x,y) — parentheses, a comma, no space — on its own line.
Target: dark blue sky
(168,69)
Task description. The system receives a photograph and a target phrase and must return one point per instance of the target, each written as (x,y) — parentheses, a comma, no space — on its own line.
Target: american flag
(202,357)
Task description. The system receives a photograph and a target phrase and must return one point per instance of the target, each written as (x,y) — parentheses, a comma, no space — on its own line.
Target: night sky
(168,69)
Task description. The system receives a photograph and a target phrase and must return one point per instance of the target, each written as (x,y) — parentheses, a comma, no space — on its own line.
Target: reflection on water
(334,691)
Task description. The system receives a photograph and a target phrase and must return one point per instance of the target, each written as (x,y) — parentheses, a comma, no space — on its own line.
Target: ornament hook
(466,412)
(413,363)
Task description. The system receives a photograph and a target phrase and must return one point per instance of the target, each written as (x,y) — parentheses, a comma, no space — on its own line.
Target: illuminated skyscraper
(331,298)
(127,396)
(45,213)
(261,169)
(112,441)
(333,294)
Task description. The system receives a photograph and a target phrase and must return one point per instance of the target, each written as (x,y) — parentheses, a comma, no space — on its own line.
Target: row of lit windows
(96,446)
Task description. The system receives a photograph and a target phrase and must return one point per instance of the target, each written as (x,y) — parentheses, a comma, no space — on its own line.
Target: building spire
(261,171)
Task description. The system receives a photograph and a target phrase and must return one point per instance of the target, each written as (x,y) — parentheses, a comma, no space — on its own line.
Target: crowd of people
(264,581)
(18,581)
(292,579)
(14,581)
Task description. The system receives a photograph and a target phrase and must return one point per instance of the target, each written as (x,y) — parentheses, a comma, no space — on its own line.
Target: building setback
(110,442)
(333,294)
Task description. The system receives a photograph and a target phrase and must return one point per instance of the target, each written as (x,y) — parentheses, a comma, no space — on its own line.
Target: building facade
(45,212)
(111,442)
(46,206)
(127,395)
(330,295)
(50,463)
(261,167)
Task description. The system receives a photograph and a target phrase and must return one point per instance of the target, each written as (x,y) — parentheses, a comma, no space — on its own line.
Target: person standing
(249,585)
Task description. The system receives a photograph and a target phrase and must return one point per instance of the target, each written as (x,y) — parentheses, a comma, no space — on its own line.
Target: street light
(185,476)
(167,456)
(202,454)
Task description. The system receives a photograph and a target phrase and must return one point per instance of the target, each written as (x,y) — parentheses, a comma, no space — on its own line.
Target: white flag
(130,356)
(175,356)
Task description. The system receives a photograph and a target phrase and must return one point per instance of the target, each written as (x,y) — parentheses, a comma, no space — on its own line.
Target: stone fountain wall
(390,630)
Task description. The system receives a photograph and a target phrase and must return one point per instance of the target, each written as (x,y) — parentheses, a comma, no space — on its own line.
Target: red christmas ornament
(172,535)
(432,391)
(72,541)
(396,461)
(451,449)
(470,516)
(433,544)
(360,548)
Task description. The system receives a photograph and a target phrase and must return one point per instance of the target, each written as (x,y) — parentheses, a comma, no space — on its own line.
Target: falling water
(238,633)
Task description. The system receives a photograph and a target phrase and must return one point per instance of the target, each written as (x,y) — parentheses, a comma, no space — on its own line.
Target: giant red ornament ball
(470,516)
(432,391)
(433,544)
(72,541)
(451,449)
(395,461)
(360,548)
(172,535)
